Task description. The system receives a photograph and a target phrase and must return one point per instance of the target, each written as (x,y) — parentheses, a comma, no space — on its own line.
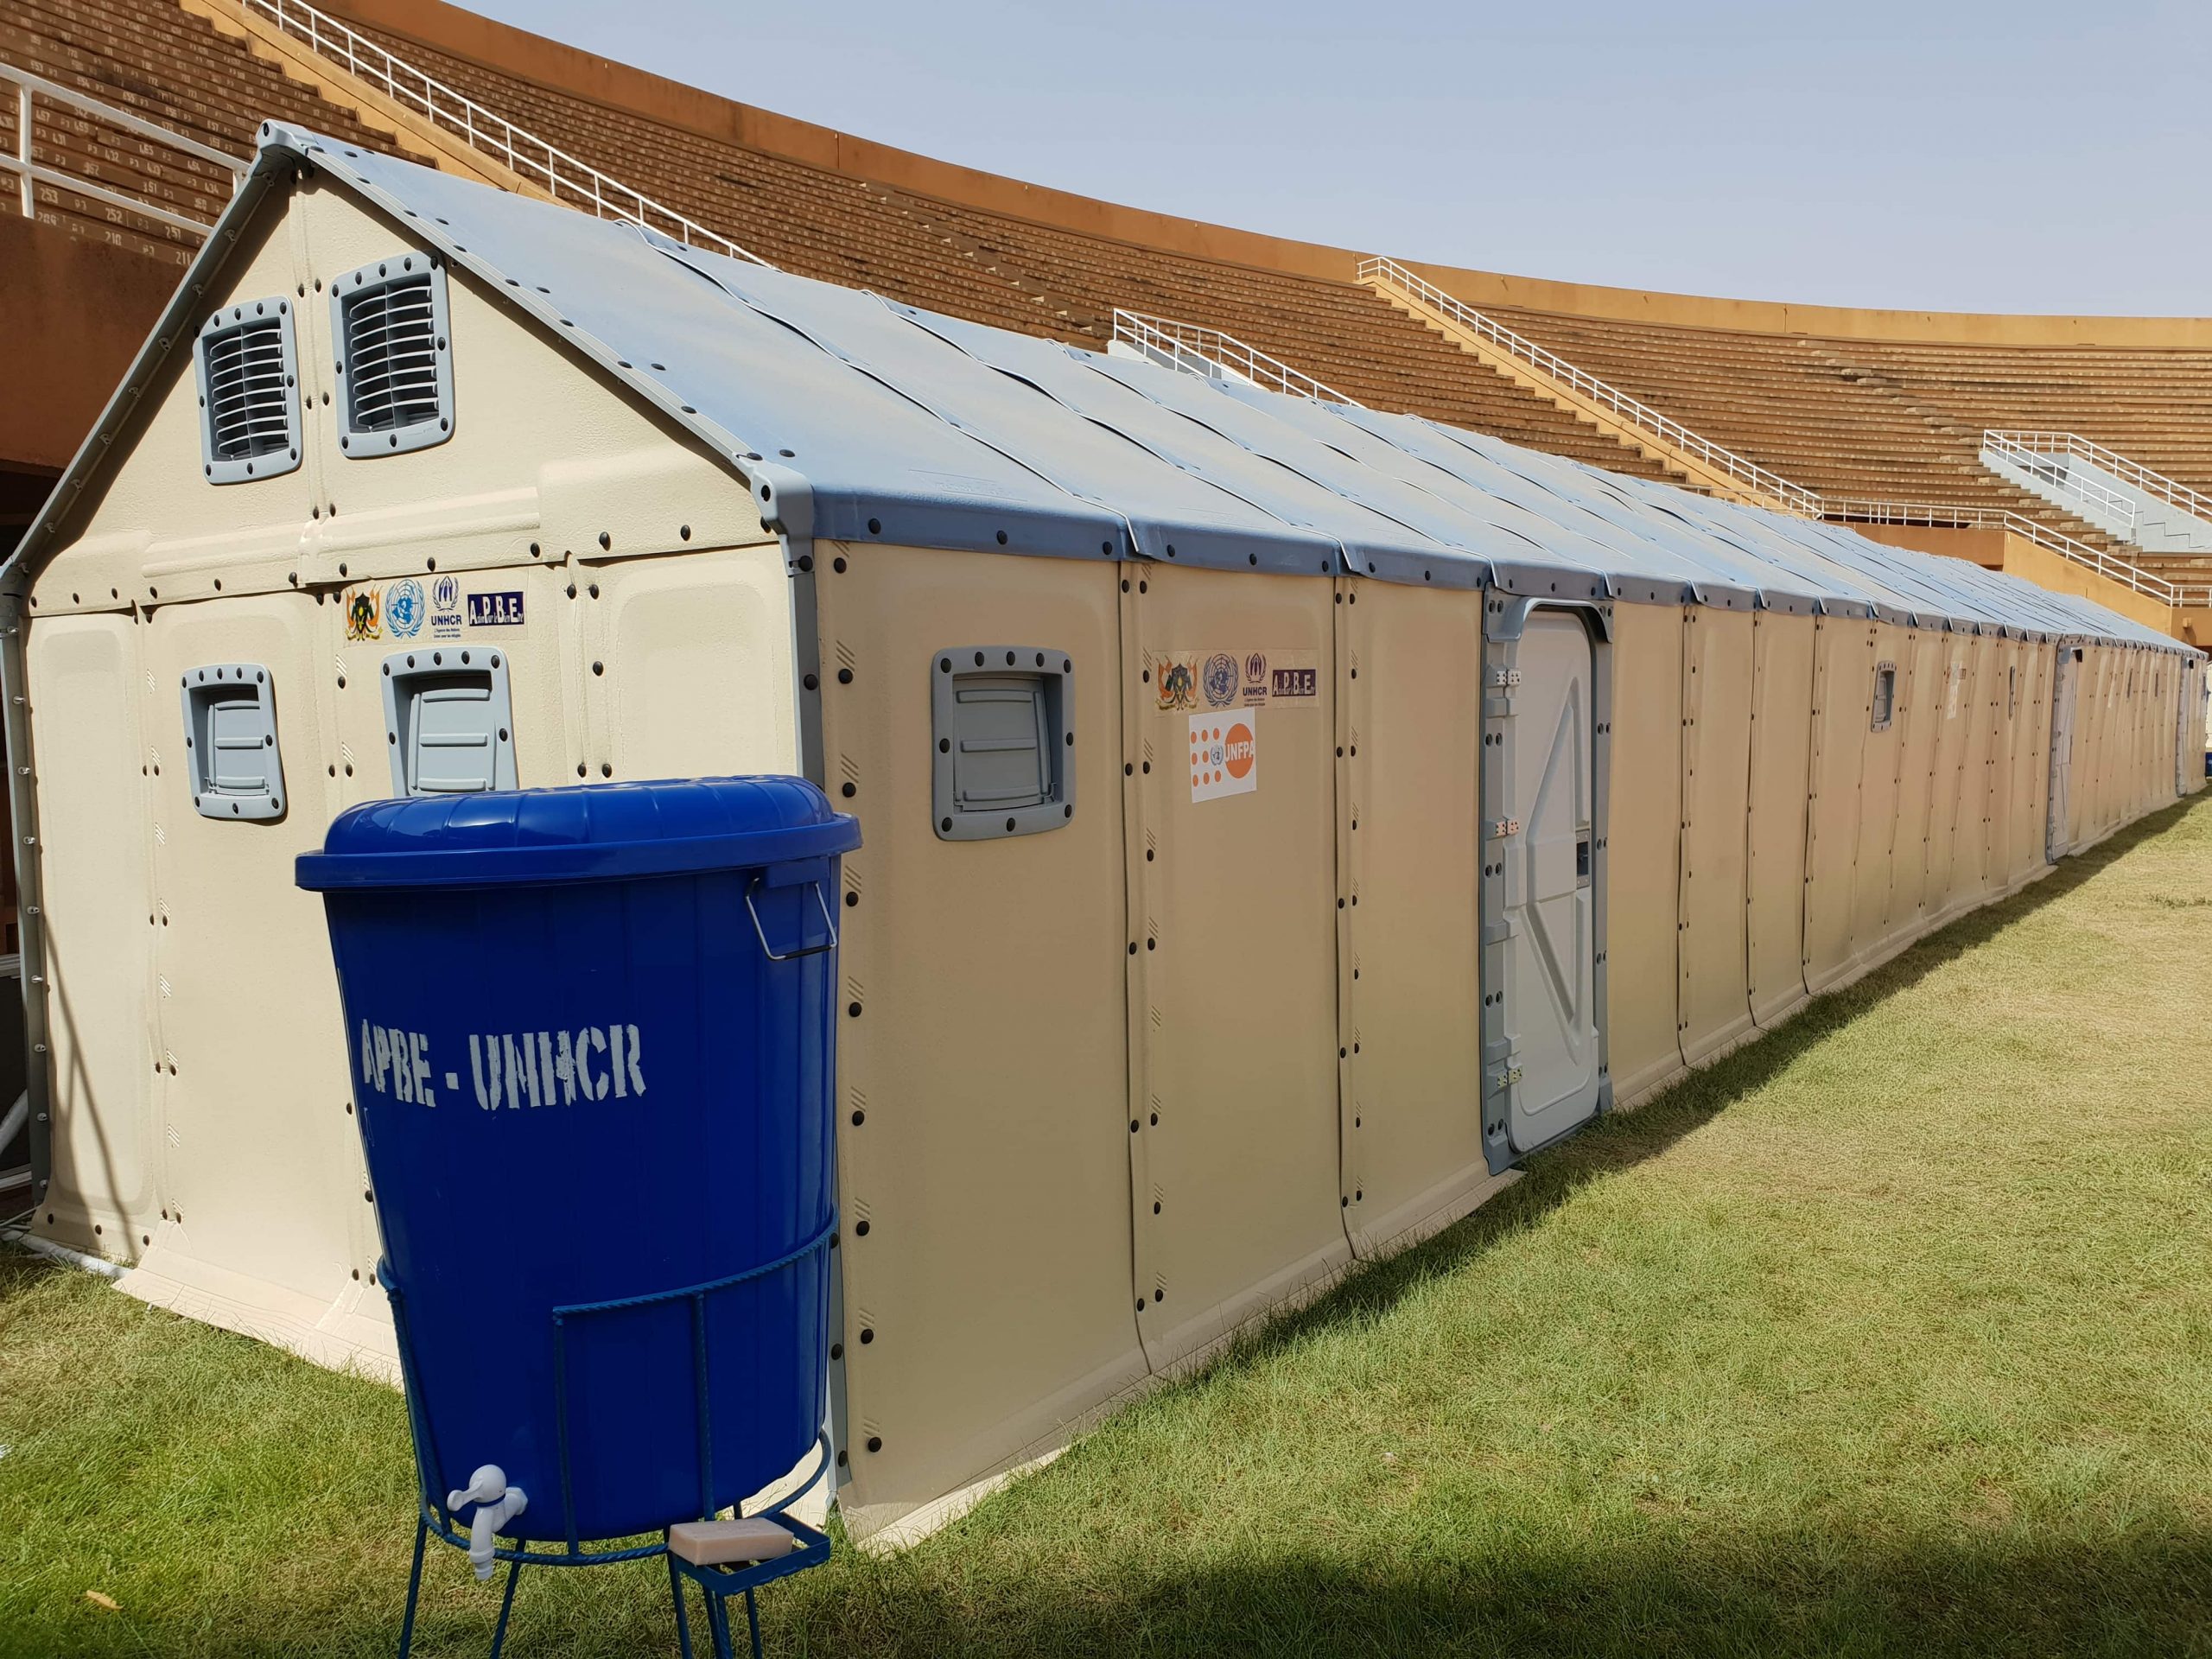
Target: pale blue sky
(1950,154)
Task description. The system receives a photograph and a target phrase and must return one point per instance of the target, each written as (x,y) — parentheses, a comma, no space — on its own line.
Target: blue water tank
(592,1042)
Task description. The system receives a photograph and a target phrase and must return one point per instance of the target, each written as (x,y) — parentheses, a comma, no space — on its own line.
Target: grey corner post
(785,503)
(1505,619)
(30,914)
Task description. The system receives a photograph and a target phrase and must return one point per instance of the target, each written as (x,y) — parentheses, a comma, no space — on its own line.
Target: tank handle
(759,932)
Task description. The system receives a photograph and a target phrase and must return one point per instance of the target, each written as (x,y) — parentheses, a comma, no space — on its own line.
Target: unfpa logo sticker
(1224,755)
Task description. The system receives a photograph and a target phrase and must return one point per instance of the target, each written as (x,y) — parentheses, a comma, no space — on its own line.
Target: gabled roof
(855,418)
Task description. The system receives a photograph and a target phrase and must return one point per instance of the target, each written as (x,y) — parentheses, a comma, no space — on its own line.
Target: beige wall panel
(2126,677)
(2105,768)
(2066,713)
(1920,673)
(1234,993)
(2118,759)
(2195,739)
(982,1132)
(1881,756)
(1781,728)
(2032,764)
(2189,765)
(2111,717)
(2158,672)
(2007,708)
(1644,843)
(1843,669)
(2152,721)
(1970,865)
(1717,675)
(1411,721)
(2085,798)
(698,655)
(2081,792)
(262,1165)
(86,695)
(2193,736)
(2137,686)
(1946,774)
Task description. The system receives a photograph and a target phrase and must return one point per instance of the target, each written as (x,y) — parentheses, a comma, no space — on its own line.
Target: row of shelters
(1280,816)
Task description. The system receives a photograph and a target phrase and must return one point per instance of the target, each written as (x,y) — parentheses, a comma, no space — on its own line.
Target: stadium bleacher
(151,59)
(1857,419)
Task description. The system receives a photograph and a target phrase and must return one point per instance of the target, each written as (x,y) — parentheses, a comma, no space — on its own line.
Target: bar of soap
(719,1543)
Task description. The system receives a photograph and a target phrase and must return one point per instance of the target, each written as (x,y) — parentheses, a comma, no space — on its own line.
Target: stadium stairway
(1787,424)
(153,60)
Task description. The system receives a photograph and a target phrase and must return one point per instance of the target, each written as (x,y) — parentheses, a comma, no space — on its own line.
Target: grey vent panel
(1885,701)
(247,368)
(230,741)
(395,357)
(448,721)
(1003,731)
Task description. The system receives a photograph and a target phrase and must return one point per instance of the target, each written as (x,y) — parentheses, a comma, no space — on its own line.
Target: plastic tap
(496,1503)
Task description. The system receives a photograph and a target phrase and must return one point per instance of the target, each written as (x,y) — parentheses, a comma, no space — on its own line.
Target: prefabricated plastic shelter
(1279,818)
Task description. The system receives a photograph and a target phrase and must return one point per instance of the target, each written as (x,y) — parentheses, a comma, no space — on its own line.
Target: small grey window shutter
(230,741)
(247,372)
(1885,696)
(449,721)
(395,356)
(1002,726)
(999,758)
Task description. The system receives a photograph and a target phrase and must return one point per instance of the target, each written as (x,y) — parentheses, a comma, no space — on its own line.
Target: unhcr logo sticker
(445,608)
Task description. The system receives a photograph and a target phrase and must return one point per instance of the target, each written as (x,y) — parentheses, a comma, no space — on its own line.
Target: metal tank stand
(717,1580)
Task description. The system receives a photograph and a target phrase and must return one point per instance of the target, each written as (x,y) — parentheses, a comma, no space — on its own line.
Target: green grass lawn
(1892,1334)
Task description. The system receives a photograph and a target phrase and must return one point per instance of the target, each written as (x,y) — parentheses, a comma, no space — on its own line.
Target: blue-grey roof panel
(1064,374)
(1270,429)
(746,382)
(1206,521)
(1721,572)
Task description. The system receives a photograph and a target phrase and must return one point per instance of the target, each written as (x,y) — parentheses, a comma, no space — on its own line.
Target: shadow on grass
(1626,1139)
(2146,1591)
(2140,1594)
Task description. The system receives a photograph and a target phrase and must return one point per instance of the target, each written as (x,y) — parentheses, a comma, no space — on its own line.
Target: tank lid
(594,832)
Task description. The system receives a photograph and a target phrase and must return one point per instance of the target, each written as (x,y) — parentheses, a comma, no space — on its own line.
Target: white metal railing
(1214,355)
(2052,471)
(1758,481)
(567,178)
(1747,475)
(31,90)
(2037,448)
(2129,575)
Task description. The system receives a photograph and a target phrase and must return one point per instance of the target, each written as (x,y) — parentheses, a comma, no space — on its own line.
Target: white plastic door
(1550,990)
